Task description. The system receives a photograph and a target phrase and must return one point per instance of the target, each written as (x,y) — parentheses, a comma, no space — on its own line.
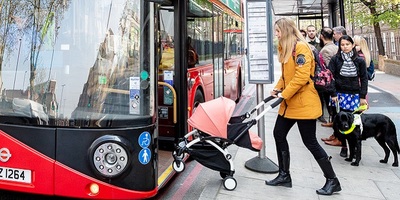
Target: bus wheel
(109,155)
(230,183)
(178,166)
(198,98)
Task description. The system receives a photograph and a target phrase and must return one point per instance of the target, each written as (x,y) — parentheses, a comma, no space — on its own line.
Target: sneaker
(322,119)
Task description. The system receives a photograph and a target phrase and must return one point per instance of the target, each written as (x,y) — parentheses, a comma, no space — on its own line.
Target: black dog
(346,125)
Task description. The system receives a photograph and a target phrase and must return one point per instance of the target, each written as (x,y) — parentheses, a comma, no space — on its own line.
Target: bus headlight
(109,155)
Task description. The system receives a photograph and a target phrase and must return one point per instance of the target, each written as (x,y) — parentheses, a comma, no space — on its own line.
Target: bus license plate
(15,175)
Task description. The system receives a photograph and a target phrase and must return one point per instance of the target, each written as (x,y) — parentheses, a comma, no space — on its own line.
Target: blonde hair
(362,43)
(289,36)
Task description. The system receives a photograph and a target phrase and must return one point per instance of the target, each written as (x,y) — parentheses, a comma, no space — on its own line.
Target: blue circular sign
(144,139)
(144,156)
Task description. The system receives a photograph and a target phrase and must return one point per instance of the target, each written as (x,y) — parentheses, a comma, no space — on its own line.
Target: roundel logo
(4,154)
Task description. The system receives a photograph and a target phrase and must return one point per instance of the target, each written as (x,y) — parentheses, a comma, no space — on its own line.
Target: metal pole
(261,163)
(261,122)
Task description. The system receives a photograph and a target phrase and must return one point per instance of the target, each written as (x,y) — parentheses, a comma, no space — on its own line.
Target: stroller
(215,130)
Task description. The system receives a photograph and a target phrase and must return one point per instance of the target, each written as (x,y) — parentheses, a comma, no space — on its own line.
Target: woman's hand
(334,99)
(363,101)
(275,92)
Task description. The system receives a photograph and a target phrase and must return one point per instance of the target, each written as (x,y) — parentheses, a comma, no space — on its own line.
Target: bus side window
(193,57)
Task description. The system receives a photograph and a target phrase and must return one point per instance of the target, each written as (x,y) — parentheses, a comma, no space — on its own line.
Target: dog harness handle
(357,122)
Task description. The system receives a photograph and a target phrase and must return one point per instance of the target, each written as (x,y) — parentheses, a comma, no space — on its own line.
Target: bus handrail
(174,94)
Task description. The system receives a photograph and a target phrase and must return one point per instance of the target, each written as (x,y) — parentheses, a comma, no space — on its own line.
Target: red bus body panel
(24,157)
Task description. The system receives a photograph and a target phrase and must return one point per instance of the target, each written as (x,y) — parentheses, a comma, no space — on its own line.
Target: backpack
(370,68)
(371,71)
(322,77)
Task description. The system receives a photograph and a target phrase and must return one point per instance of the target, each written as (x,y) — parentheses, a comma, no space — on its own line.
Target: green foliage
(367,12)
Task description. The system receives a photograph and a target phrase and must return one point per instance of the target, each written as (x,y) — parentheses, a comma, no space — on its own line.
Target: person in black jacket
(351,80)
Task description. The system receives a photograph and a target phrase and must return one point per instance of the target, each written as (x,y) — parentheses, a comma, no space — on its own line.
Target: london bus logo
(4,154)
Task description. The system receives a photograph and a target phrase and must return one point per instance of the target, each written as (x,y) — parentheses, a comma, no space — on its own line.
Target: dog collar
(357,121)
(351,129)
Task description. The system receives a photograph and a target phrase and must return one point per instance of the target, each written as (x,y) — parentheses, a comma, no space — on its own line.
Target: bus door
(166,73)
(186,27)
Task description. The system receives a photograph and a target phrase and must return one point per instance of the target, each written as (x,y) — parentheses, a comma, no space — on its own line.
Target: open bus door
(214,33)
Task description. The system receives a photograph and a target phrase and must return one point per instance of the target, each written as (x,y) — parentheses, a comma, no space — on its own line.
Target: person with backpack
(301,105)
(328,49)
(351,82)
(364,52)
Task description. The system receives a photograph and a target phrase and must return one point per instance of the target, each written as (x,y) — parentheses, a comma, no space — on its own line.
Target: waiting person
(301,105)
(338,32)
(329,49)
(312,36)
(364,52)
(303,32)
(351,82)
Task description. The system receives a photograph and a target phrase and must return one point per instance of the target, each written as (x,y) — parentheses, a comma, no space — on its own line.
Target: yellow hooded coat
(301,98)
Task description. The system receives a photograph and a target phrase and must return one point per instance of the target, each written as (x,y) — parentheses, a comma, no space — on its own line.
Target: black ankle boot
(332,184)
(283,178)
(343,152)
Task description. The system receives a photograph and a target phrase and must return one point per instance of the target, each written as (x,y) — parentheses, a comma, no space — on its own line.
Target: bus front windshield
(78,63)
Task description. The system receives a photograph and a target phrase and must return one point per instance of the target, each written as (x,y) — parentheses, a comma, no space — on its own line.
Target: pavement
(370,180)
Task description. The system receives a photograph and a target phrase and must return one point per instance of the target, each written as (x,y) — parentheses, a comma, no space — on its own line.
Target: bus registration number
(16,175)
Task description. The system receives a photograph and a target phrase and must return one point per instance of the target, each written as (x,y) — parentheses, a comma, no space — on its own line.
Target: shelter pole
(261,163)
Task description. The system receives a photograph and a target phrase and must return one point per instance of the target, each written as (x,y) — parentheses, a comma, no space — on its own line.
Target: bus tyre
(178,166)
(198,98)
(230,183)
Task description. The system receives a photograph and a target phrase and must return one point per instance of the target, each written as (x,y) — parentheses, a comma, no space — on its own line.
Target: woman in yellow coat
(301,105)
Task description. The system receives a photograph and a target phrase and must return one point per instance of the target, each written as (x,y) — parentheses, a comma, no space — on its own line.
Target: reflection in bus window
(77,62)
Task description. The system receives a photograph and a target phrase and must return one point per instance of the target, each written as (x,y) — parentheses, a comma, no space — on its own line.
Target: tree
(32,20)
(374,13)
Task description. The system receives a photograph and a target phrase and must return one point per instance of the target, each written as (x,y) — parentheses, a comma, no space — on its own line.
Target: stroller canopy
(213,116)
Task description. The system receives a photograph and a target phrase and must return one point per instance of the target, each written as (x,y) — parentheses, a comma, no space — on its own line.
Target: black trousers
(324,97)
(307,130)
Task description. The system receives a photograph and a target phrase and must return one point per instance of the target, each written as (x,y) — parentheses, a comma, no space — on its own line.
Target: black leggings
(307,130)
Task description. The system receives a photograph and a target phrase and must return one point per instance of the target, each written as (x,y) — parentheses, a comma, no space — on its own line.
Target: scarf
(348,68)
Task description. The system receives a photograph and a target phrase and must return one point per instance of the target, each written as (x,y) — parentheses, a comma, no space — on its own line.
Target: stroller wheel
(230,183)
(178,166)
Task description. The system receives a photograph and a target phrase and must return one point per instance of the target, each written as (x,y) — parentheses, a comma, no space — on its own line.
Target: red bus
(83,108)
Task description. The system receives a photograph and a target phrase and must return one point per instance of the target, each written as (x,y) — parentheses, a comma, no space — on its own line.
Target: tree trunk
(379,39)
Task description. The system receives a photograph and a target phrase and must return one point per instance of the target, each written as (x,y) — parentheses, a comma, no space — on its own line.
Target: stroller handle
(270,107)
(261,104)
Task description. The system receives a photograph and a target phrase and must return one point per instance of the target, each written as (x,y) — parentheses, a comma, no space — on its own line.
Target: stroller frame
(223,160)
